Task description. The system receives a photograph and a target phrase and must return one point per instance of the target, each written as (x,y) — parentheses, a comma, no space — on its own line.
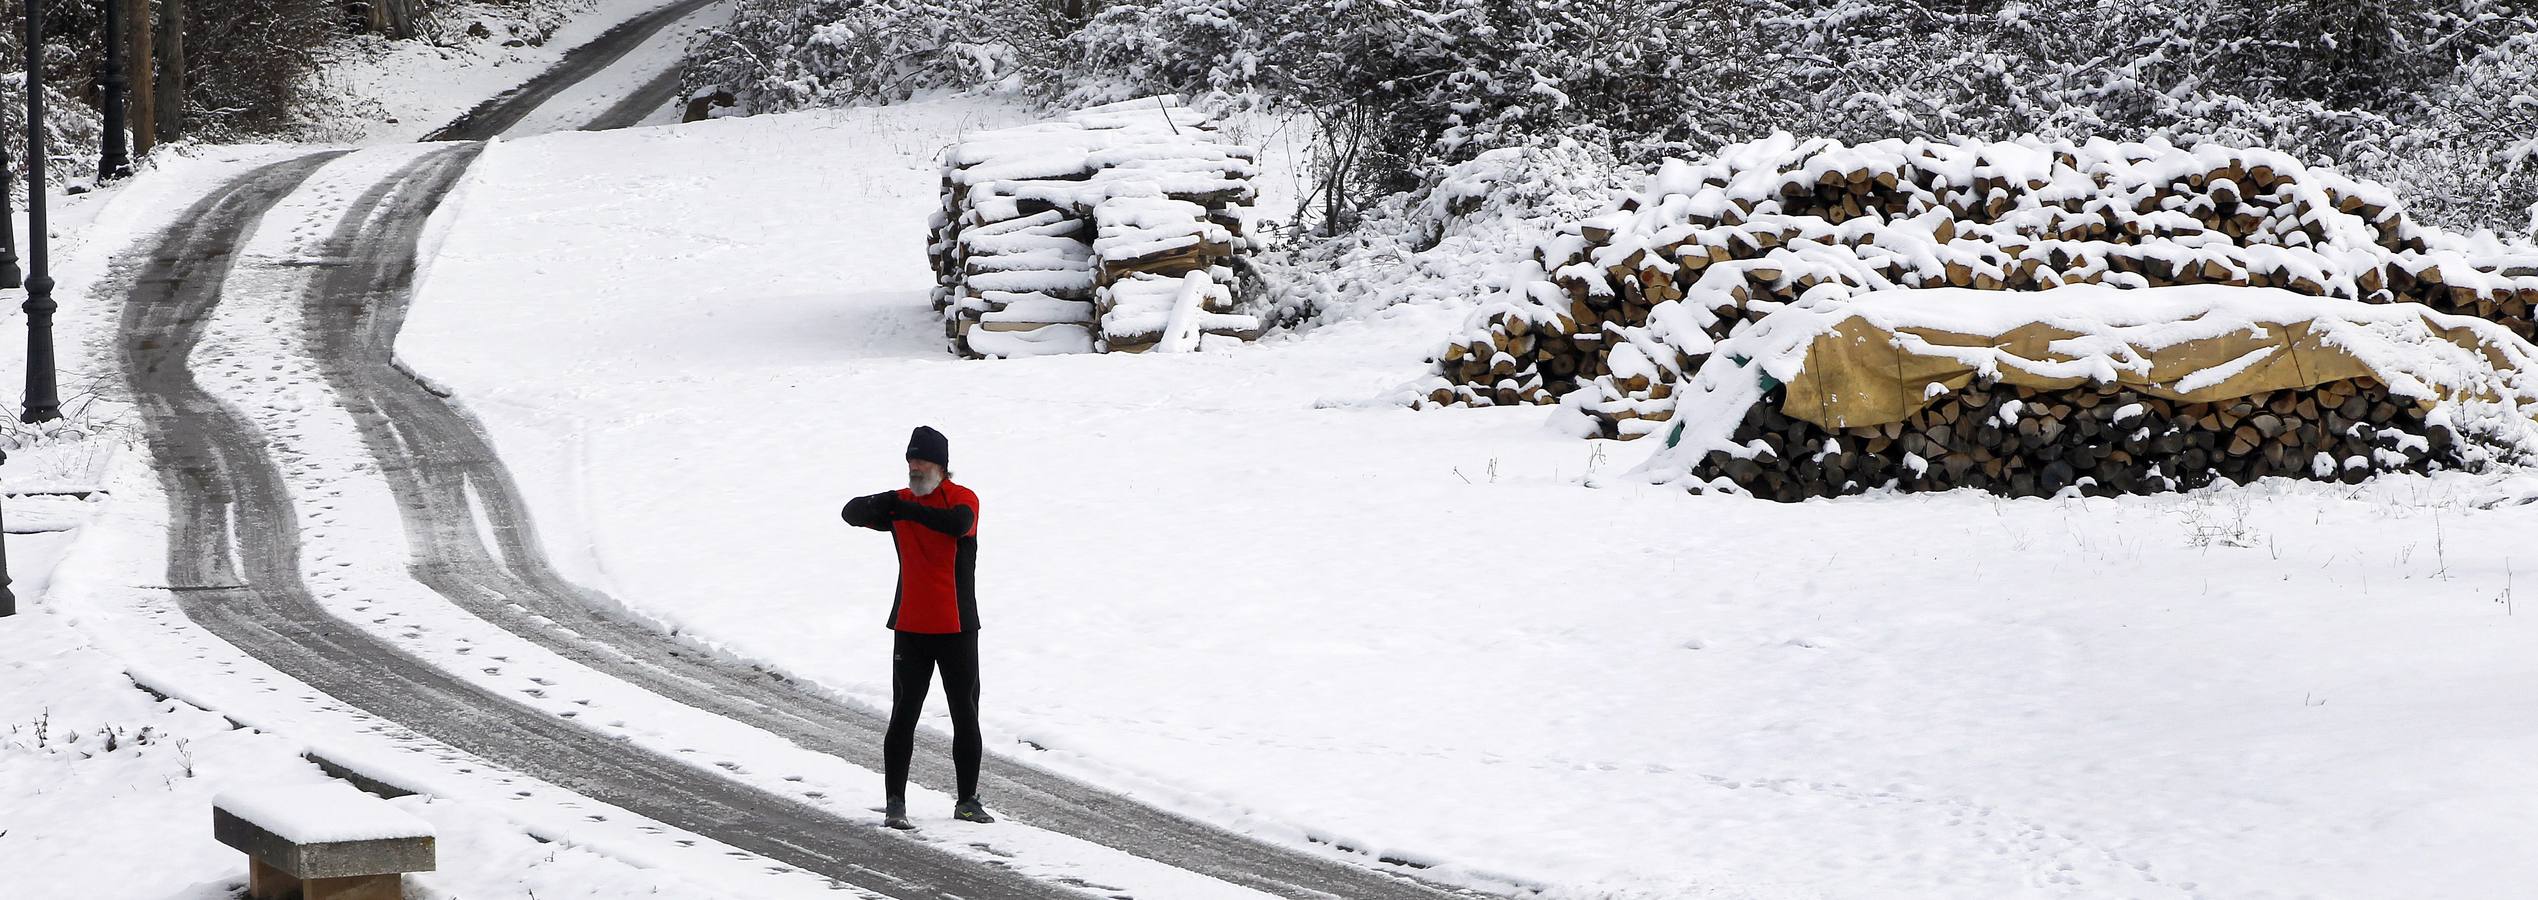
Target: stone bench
(322,842)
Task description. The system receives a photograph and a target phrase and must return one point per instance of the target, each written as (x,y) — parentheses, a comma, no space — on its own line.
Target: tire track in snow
(495,116)
(234,560)
(661,91)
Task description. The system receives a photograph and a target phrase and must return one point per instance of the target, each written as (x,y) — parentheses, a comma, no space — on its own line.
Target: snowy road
(625,77)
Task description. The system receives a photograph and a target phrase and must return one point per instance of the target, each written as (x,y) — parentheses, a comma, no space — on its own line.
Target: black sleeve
(954,521)
(874,512)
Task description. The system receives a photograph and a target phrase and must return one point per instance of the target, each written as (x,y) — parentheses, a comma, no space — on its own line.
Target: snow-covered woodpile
(1630,304)
(1632,301)
(1115,228)
(2096,389)
(2102,439)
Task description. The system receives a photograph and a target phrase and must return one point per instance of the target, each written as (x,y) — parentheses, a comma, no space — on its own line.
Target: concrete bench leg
(265,882)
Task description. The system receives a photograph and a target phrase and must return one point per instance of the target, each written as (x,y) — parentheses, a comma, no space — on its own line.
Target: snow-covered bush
(1398,88)
(777,55)
(2368,85)
(1448,245)
(249,65)
(2406,92)
(2479,166)
(71,136)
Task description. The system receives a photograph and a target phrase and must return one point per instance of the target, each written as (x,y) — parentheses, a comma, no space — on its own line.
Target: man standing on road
(935,524)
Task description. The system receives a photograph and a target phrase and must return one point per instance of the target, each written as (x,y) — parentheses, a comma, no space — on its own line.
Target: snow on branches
(778,55)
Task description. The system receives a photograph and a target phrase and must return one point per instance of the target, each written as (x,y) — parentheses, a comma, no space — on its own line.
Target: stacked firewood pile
(1097,232)
(2096,390)
(1160,262)
(1630,303)
(2098,440)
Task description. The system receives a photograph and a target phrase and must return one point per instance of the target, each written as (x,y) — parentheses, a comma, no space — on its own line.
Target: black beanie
(930,445)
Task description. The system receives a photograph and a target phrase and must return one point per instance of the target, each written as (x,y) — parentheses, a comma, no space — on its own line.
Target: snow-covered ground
(133,821)
(1217,582)
(106,791)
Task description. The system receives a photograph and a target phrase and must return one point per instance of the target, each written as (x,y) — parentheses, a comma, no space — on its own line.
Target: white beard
(922,485)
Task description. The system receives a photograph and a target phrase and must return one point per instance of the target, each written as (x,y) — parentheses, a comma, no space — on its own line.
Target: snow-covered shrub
(71,136)
(1444,80)
(71,127)
(249,65)
(776,55)
(2478,165)
(1401,87)
(1447,246)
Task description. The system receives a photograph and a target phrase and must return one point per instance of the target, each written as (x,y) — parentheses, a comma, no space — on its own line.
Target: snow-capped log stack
(2095,390)
(1627,304)
(1161,262)
(1084,234)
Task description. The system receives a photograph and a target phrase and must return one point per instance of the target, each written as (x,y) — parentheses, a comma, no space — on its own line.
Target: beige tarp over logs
(1860,374)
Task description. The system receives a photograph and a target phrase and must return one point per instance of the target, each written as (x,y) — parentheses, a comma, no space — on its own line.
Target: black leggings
(913,660)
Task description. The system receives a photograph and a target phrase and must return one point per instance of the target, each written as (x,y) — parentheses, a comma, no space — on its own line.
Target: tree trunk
(139,112)
(170,102)
(405,17)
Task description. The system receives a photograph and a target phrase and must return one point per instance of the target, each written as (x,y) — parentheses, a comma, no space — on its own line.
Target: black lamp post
(43,399)
(9,276)
(114,162)
(8,598)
